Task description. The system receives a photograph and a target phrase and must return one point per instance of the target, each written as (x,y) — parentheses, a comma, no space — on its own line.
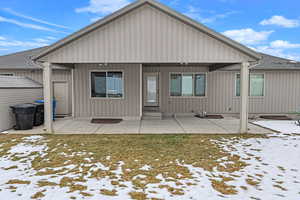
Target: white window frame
(255,73)
(106,98)
(189,73)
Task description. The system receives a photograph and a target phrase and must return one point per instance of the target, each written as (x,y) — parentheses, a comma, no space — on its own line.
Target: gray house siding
(146,35)
(10,97)
(127,107)
(16,90)
(37,75)
(282,93)
(170,105)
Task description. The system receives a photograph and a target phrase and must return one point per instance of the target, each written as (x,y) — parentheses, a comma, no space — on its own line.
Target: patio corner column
(141,91)
(48,97)
(244,97)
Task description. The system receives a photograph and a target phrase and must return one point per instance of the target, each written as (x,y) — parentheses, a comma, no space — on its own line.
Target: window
(107,84)
(200,84)
(187,85)
(6,74)
(175,85)
(256,82)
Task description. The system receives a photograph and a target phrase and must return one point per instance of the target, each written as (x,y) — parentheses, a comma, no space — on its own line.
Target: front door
(151,95)
(60,93)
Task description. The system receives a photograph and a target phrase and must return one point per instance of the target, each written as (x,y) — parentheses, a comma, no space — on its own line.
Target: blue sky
(268,26)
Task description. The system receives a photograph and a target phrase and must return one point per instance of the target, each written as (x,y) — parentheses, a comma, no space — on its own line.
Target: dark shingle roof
(273,62)
(269,62)
(18,82)
(20,60)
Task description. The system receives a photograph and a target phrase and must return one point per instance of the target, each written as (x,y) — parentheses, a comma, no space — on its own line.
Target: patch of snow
(146,168)
(276,158)
(282,126)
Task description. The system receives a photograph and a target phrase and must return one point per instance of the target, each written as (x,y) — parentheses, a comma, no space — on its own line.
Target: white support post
(48,97)
(141,91)
(244,97)
(73,93)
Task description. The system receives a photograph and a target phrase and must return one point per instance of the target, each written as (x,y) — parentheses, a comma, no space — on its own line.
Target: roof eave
(160,6)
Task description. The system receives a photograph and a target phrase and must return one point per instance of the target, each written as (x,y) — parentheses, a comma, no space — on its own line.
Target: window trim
(189,73)
(106,98)
(257,73)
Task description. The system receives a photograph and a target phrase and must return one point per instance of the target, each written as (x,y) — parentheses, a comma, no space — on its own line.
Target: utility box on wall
(16,90)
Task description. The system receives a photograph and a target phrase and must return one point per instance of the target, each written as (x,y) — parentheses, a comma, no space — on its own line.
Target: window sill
(251,97)
(108,98)
(188,97)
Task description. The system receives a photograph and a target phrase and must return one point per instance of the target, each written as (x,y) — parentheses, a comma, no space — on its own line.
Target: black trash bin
(39,114)
(24,114)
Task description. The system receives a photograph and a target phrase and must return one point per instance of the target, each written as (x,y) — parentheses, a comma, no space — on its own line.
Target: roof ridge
(159,6)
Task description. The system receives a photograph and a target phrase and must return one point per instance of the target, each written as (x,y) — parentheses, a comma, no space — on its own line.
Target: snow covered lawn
(150,167)
(282,126)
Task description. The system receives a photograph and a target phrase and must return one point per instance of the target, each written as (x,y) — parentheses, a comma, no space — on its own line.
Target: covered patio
(177,125)
(105,50)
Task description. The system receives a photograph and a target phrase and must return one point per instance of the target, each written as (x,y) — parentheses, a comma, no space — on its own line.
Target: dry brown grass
(252,182)
(223,188)
(138,195)
(166,155)
(17,181)
(280,187)
(46,183)
(109,192)
(38,195)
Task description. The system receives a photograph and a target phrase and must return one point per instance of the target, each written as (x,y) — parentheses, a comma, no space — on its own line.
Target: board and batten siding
(171,105)
(282,93)
(10,97)
(146,35)
(37,75)
(127,107)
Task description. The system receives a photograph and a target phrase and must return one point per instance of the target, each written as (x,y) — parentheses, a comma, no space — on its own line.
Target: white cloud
(51,38)
(103,6)
(284,44)
(33,19)
(95,19)
(26,25)
(41,40)
(277,52)
(248,35)
(7,43)
(2,38)
(281,21)
(196,14)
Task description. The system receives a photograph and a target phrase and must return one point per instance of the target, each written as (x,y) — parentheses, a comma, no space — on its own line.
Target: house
(21,64)
(16,90)
(147,58)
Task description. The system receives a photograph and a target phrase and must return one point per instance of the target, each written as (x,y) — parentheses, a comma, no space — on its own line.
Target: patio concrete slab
(165,126)
(124,127)
(179,125)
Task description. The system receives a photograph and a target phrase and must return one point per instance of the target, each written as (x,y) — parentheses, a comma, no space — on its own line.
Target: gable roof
(18,82)
(20,60)
(269,62)
(159,6)
(23,60)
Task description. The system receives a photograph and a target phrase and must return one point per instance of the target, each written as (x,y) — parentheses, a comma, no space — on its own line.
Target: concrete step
(152,115)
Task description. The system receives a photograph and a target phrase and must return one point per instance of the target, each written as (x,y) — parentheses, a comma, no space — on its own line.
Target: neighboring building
(21,64)
(16,90)
(147,57)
